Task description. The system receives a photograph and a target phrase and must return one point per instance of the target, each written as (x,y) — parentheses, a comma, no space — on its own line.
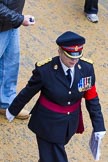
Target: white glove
(9,116)
(99,135)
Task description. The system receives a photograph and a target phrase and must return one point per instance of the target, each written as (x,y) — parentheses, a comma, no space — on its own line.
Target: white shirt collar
(65,68)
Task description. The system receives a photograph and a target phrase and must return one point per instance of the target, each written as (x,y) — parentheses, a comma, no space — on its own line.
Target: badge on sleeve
(84,84)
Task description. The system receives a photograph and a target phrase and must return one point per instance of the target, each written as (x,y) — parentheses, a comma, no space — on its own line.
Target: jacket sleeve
(33,87)
(96,116)
(9,15)
(94,107)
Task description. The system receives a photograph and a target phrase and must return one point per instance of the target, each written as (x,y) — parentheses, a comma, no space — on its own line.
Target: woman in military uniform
(62,82)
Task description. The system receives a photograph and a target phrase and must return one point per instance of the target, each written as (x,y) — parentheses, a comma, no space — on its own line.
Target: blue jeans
(9,66)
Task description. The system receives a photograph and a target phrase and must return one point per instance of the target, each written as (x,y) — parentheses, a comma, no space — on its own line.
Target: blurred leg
(91,6)
(51,152)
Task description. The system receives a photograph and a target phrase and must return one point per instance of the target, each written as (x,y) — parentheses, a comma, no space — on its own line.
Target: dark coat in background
(11,14)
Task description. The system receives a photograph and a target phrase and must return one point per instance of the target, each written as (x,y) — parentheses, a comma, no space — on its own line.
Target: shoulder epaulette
(40,63)
(87,60)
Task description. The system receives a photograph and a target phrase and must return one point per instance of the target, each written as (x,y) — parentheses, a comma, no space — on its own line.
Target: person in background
(91,10)
(11,19)
(62,82)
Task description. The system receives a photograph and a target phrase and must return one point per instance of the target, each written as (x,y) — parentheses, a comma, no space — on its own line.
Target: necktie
(69,75)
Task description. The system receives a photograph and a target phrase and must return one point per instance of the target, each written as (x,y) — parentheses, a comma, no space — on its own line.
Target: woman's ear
(60,50)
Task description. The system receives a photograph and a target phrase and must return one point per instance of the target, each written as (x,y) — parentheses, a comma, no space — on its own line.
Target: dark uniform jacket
(49,78)
(11,14)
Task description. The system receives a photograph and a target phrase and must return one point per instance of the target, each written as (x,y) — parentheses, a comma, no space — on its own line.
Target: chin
(71,65)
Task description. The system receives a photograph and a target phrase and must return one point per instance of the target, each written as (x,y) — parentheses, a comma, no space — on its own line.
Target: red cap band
(76,48)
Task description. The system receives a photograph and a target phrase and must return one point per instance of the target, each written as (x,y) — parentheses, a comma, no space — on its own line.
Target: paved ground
(17,143)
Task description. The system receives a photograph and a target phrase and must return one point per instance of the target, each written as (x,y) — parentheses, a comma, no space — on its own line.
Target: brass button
(69,103)
(70,92)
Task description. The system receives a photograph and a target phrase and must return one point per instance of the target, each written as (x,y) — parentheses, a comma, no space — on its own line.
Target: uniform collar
(65,68)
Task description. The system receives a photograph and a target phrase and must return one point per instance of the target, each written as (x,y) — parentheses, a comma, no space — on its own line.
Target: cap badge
(76,48)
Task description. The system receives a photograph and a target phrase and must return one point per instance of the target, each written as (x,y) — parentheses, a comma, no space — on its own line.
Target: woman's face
(69,62)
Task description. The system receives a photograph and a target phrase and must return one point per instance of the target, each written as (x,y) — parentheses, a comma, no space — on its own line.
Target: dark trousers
(91,6)
(51,152)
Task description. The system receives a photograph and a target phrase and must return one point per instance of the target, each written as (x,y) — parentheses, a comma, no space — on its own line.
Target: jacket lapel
(77,75)
(59,72)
